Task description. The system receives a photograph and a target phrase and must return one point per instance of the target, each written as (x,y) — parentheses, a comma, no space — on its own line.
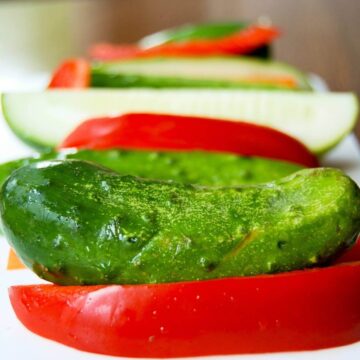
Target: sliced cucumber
(319,120)
(198,72)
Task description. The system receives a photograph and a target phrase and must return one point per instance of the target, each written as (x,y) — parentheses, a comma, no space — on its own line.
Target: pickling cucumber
(209,72)
(319,120)
(195,167)
(73,222)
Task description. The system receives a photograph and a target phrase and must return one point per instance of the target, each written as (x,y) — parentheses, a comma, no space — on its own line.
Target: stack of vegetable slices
(177,195)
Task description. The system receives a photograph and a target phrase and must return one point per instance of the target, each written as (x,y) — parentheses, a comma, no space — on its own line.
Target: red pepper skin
(174,132)
(300,310)
(241,42)
(72,73)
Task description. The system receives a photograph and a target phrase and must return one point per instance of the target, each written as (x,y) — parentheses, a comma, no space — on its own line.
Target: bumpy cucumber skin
(109,75)
(73,222)
(195,167)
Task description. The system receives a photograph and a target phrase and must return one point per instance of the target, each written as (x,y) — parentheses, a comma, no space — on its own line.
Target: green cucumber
(319,120)
(74,222)
(222,72)
(190,32)
(195,167)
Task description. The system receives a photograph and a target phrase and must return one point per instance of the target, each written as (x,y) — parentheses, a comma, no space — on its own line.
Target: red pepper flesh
(300,310)
(73,73)
(175,132)
(241,42)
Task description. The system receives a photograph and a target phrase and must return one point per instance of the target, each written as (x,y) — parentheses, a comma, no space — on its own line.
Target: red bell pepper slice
(241,42)
(73,73)
(300,310)
(175,132)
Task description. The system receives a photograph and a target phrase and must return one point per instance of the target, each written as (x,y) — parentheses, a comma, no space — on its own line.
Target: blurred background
(319,36)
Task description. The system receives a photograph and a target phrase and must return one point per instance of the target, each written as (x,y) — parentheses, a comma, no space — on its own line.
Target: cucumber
(74,222)
(190,32)
(223,72)
(319,120)
(196,167)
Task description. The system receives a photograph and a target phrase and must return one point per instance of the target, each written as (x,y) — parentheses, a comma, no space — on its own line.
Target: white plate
(17,343)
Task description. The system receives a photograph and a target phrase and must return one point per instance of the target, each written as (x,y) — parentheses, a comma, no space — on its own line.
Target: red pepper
(241,42)
(73,73)
(174,132)
(300,310)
